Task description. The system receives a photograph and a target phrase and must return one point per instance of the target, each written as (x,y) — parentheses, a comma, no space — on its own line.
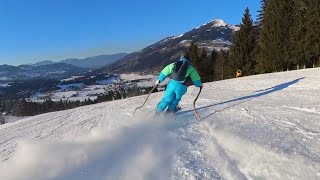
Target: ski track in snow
(257,127)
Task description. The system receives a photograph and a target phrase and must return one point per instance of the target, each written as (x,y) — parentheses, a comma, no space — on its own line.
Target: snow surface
(4,85)
(4,78)
(107,81)
(235,28)
(131,77)
(74,85)
(178,36)
(257,127)
(71,78)
(184,41)
(81,95)
(218,23)
(62,95)
(10,119)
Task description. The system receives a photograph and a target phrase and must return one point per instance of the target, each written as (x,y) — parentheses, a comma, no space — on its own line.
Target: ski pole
(194,105)
(145,100)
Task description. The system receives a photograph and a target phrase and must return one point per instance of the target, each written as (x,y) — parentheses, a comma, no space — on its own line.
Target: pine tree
(194,57)
(19,108)
(204,66)
(203,54)
(298,34)
(243,48)
(261,12)
(223,71)
(213,59)
(274,37)
(2,120)
(313,32)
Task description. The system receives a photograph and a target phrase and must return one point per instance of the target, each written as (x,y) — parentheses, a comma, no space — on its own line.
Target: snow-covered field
(4,78)
(80,91)
(257,127)
(67,86)
(131,77)
(71,78)
(144,80)
(107,81)
(4,85)
(68,95)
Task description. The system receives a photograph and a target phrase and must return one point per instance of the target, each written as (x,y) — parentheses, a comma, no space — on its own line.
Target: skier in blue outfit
(182,75)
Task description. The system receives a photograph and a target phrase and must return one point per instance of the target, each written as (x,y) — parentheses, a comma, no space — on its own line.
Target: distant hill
(93,62)
(49,71)
(41,63)
(8,69)
(215,34)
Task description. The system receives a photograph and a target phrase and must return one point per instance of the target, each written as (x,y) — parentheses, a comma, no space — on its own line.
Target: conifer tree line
(30,108)
(211,67)
(285,37)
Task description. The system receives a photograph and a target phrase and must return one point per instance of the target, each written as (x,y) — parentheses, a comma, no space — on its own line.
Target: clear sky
(36,30)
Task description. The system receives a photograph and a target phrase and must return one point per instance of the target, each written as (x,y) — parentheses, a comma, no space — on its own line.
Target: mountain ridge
(92,62)
(49,71)
(215,34)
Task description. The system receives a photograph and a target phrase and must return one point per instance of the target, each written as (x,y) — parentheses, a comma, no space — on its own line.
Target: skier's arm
(166,72)
(195,77)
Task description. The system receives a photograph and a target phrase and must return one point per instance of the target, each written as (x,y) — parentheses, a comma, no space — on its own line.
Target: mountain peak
(219,23)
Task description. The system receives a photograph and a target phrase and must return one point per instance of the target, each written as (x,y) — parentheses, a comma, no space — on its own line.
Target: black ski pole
(145,100)
(194,105)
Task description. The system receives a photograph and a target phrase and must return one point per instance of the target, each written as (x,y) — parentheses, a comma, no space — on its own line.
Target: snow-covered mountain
(257,127)
(215,34)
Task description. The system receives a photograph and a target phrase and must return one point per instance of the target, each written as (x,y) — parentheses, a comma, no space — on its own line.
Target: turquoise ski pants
(174,92)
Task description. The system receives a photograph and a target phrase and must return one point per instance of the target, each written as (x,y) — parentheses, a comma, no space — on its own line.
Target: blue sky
(36,30)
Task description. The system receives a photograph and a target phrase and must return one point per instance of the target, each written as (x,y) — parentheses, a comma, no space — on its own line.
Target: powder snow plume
(129,152)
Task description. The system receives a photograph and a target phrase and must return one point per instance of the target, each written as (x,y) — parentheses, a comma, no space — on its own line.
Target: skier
(182,74)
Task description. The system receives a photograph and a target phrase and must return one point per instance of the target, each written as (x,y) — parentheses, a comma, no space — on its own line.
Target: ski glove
(157,82)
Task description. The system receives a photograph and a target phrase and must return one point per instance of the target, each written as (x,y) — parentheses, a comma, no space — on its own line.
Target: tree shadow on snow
(256,94)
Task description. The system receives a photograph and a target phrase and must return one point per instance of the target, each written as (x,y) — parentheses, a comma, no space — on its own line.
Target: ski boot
(178,108)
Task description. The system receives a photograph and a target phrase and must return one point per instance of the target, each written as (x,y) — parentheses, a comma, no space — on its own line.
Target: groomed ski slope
(258,127)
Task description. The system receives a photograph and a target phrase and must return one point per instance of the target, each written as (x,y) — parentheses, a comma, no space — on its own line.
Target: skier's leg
(180,91)
(168,97)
